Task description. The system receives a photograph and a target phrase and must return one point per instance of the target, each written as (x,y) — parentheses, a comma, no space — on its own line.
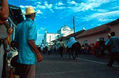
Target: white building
(65,31)
(49,37)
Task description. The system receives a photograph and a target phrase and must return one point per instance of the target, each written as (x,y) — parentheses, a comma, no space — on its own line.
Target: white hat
(30,10)
(109,34)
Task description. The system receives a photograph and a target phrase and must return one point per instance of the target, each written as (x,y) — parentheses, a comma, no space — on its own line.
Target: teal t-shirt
(113,42)
(25,31)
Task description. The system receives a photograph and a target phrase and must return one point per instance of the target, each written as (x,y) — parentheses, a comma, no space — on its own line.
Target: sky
(53,14)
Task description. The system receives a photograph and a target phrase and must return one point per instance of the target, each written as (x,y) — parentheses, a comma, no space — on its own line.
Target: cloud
(51,10)
(73,2)
(98,1)
(106,14)
(39,12)
(60,4)
(45,6)
(88,5)
(61,7)
(41,6)
(105,20)
(84,7)
(48,5)
(102,17)
(38,3)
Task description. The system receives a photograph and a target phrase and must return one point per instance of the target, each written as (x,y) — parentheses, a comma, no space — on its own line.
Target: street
(86,66)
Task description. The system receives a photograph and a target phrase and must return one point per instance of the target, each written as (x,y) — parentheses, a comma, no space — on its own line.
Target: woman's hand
(10,30)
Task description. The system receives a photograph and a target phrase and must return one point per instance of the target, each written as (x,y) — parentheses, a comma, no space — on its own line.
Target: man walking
(27,51)
(113,44)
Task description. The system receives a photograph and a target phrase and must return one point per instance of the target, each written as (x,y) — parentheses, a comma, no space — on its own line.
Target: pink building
(99,32)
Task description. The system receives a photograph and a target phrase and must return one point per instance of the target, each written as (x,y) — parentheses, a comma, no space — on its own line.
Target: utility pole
(74,24)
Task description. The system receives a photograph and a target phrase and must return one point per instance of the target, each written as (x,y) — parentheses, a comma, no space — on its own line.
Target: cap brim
(28,14)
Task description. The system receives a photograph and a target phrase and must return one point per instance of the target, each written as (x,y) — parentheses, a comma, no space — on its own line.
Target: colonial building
(49,37)
(65,31)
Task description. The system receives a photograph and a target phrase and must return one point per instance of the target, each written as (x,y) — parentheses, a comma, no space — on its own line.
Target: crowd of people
(99,49)
(61,47)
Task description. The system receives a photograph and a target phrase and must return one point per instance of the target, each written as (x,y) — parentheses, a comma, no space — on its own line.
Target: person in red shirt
(93,49)
(97,47)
